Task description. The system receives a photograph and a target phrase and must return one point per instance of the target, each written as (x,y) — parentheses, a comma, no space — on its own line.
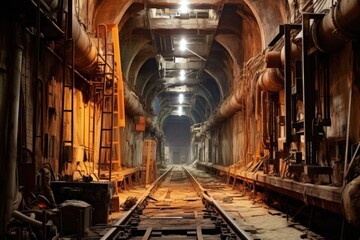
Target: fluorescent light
(184,7)
(180,60)
(181,98)
(180,112)
(182,72)
(182,44)
(182,76)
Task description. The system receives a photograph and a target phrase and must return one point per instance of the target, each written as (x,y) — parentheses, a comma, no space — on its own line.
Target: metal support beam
(287,70)
(308,89)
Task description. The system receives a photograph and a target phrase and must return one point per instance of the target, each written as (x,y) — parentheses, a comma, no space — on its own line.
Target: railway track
(176,206)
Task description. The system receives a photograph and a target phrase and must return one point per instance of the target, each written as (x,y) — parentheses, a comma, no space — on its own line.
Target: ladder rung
(67,110)
(106,129)
(107,147)
(107,112)
(107,164)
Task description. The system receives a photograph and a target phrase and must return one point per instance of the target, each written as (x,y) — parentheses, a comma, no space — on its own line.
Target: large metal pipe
(276,59)
(350,202)
(339,25)
(85,52)
(24,218)
(132,103)
(12,123)
(85,58)
(271,80)
(152,127)
(227,109)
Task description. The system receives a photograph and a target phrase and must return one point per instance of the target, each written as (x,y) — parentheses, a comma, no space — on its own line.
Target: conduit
(339,25)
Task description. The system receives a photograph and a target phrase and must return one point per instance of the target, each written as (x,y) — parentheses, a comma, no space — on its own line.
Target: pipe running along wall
(228,108)
(12,123)
(339,25)
(153,128)
(132,103)
(85,58)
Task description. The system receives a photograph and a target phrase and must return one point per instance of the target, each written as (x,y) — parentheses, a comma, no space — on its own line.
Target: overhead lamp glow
(182,75)
(184,7)
(180,112)
(182,72)
(181,98)
(182,45)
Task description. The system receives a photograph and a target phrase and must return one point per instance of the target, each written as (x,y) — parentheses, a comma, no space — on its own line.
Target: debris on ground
(129,202)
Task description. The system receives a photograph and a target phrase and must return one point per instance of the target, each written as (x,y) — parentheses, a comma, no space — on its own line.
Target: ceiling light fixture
(182,76)
(180,112)
(182,45)
(184,7)
(181,98)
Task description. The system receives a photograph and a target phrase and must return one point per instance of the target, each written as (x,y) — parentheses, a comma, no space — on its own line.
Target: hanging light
(181,98)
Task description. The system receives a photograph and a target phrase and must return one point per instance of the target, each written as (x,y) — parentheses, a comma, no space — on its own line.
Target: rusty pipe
(85,53)
(132,103)
(276,59)
(232,104)
(273,59)
(271,80)
(230,107)
(338,26)
(152,127)
(85,59)
(350,202)
(24,218)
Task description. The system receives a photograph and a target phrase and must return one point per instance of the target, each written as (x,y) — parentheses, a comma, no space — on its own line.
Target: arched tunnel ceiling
(221,35)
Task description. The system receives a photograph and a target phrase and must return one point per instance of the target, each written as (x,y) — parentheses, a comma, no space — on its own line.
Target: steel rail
(241,233)
(122,221)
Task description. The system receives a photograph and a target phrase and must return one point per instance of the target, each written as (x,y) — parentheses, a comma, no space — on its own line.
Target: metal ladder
(91,136)
(67,142)
(109,133)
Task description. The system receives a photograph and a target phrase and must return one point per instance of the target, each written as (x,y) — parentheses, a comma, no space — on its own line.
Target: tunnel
(179,119)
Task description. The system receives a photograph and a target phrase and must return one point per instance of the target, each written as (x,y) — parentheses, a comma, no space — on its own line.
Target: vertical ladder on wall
(67,135)
(91,137)
(116,131)
(109,134)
